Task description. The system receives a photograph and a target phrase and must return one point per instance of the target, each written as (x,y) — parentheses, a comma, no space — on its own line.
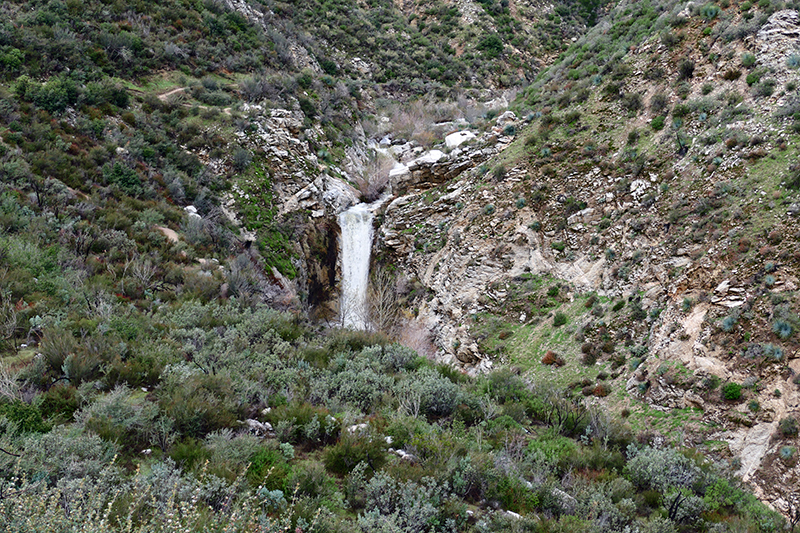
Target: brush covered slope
(170,175)
(640,231)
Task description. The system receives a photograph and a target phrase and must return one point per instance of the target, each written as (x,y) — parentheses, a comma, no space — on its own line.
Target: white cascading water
(356,226)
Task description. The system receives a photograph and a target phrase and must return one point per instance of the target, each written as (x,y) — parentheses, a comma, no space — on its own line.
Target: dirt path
(163,97)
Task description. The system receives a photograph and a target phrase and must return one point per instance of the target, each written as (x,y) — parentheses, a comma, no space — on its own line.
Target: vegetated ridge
(617,254)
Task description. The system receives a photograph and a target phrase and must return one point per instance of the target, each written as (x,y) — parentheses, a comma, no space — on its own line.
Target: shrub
(491,46)
(551,358)
(660,469)
(201,404)
(353,449)
(766,87)
(788,426)
(488,209)
(731,74)
(402,505)
(731,391)
(772,352)
(241,159)
(559,319)
(658,123)
(59,401)
(709,11)
(28,418)
(499,173)
(268,468)
(782,329)
(303,423)
(748,59)
(681,110)
(429,393)
(632,101)
(685,69)
(787,452)
(558,245)
(728,323)
(307,107)
(602,390)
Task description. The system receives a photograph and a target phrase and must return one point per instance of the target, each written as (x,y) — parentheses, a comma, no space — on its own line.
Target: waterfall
(356,225)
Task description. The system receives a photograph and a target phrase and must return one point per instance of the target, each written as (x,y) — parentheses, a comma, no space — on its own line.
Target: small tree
(382,300)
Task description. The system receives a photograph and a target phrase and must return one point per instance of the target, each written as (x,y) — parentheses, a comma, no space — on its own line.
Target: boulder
(457,138)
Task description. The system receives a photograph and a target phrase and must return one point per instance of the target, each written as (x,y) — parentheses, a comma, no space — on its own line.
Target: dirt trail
(163,97)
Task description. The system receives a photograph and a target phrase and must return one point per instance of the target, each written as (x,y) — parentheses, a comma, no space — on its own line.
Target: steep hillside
(640,231)
(584,307)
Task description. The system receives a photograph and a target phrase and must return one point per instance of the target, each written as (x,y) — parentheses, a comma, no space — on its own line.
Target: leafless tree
(8,318)
(372,176)
(9,388)
(382,301)
(143,270)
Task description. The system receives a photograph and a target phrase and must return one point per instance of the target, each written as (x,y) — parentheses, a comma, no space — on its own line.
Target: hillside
(584,266)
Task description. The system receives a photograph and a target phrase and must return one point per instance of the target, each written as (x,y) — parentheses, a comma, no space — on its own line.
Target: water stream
(356,226)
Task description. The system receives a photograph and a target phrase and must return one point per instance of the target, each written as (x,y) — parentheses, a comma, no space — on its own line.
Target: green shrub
(766,87)
(681,110)
(59,401)
(782,329)
(125,178)
(658,123)
(559,319)
(772,352)
(748,59)
(189,452)
(28,418)
(307,107)
(269,469)
(402,505)
(685,69)
(709,11)
(352,449)
(491,46)
(731,391)
(201,404)
(436,395)
(303,423)
(728,323)
(788,426)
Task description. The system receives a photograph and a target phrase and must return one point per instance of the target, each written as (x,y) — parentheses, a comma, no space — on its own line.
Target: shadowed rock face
(321,254)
